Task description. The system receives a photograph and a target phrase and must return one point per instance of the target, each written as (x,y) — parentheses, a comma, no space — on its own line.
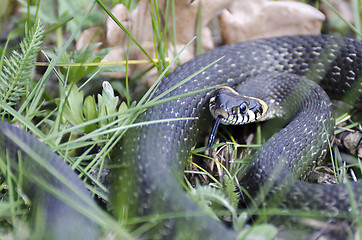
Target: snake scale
(296,77)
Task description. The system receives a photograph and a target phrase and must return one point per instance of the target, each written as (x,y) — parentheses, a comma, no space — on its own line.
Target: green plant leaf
(90,112)
(73,110)
(107,102)
(229,189)
(260,231)
(15,72)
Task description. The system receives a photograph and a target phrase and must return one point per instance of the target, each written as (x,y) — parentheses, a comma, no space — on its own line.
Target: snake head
(235,109)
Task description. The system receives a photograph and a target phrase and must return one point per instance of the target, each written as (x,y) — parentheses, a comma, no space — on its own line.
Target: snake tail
(51,185)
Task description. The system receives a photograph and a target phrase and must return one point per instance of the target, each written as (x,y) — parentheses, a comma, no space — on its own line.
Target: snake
(294,79)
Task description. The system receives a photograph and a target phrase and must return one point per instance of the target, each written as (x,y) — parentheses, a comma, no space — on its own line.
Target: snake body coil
(46,177)
(294,76)
(284,72)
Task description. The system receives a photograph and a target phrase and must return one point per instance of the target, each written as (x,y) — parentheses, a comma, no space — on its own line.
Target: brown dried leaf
(90,36)
(113,56)
(343,7)
(186,19)
(252,19)
(114,34)
(141,23)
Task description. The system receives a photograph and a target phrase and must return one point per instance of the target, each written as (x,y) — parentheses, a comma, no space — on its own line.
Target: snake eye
(243,107)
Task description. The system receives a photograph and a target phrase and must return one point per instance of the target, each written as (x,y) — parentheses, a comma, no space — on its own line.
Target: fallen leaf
(139,24)
(253,19)
(90,36)
(343,7)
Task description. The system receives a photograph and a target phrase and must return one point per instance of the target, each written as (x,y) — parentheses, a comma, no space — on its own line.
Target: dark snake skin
(296,77)
(56,219)
(279,71)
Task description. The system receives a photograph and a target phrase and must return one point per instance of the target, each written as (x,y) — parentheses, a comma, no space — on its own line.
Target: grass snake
(281,71)
(296,76)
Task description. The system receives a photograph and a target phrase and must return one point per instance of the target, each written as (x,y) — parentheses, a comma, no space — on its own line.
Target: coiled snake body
(294,76)
(281,71)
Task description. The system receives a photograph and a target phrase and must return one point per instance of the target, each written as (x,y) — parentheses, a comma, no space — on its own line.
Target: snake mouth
(221,113)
